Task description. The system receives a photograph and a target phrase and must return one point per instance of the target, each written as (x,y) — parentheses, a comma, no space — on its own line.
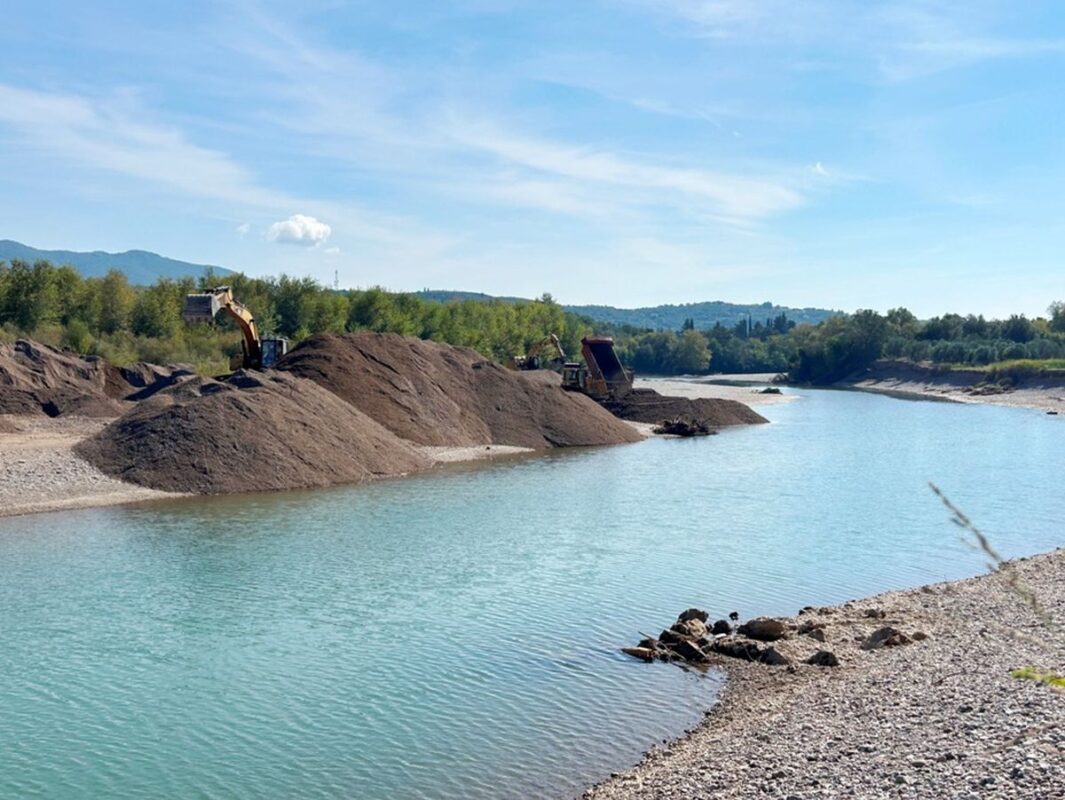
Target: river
(456,634)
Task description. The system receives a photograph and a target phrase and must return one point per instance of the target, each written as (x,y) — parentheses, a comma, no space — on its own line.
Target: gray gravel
(938,718)
(40,472)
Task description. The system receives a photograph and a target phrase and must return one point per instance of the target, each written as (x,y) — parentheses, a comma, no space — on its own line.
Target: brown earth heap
(435,394)
(36,379)
(647,405)
(251,432)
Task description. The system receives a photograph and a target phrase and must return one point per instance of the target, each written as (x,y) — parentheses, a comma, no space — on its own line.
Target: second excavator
(533,360)
(258,353)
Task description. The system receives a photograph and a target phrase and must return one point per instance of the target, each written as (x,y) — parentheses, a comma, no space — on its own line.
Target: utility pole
(336,280)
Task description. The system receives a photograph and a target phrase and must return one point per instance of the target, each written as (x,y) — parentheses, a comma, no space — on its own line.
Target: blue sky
(630,152)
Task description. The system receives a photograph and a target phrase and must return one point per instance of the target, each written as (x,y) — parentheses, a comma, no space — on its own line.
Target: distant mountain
(669,317)
(705,315)
(140,266)
(449,296)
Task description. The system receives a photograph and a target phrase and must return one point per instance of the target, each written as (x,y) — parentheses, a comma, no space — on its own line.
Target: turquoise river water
(456,634)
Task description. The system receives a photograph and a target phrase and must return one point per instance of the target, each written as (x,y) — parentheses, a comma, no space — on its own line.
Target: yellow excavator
(259,353)
(532,359)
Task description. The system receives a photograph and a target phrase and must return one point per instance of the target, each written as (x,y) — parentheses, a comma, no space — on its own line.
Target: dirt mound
(252,432)
(435,394)
(647,405)
(36,379)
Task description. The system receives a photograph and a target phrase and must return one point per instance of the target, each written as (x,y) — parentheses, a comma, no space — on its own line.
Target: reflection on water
(456,634)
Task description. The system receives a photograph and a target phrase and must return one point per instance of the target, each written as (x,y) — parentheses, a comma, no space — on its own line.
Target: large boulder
(764,629)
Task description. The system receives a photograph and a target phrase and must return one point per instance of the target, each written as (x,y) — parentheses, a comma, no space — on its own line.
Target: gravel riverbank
(39,470)
(936,717)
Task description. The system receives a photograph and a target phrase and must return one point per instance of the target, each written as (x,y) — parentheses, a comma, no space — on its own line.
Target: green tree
(116,302)
(157,310)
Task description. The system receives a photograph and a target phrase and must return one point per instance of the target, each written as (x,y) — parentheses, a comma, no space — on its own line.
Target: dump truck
(533,360)
(258,352)
(603,376)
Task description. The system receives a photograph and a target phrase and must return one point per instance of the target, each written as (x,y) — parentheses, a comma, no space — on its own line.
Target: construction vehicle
(532,359)
(258,353)
(603,377)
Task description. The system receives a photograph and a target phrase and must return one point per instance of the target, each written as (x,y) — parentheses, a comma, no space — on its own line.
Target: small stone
(689,651)
(774,658)
(695,628)
(885,637)
(919,636)
(823,658)
(642,653)
(693,613)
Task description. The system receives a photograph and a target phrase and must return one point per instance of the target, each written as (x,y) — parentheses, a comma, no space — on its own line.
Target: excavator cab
(274,348)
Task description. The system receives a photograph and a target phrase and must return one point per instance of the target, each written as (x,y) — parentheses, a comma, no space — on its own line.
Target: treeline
(844,344)
(123,323)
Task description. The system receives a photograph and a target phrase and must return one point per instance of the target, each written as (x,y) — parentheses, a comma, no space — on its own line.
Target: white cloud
(243,229)
(299,229)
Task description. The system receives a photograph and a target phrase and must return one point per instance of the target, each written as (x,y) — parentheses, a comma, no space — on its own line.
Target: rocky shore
(904,695)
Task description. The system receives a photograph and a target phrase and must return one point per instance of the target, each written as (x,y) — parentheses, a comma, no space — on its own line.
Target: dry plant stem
(996,562)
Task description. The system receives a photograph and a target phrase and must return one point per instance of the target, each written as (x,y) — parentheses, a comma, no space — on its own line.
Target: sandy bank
(914,381)
(39,470)
(941,717)
(711,389)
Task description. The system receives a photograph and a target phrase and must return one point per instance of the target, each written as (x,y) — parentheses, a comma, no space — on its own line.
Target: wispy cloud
(731,195)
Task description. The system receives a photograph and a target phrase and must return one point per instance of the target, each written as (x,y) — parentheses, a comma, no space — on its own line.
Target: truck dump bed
(605,371)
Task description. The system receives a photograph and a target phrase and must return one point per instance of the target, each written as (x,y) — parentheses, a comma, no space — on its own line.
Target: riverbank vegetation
(109,317)
(123,323)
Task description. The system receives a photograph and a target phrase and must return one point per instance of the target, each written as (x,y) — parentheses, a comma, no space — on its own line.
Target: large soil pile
(36,379)
(647,405)
(435,394)
(252,432)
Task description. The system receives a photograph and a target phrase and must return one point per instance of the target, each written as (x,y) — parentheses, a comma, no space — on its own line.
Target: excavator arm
(203,306)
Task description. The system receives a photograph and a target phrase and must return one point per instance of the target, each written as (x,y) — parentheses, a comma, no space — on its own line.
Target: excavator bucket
(200,308)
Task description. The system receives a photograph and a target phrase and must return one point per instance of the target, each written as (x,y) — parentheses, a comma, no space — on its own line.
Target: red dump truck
(603,377)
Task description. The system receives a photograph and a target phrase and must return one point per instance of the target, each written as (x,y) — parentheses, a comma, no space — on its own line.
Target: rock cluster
(693,639)
(681,426)
(690,639)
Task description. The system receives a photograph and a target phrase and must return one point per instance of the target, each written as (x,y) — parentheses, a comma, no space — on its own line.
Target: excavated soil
(252,432)
(36,379)
(435,394)
(647,405)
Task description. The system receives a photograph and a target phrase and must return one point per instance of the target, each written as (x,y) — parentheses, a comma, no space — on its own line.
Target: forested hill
(660,318)
(139,266)
(703,315)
